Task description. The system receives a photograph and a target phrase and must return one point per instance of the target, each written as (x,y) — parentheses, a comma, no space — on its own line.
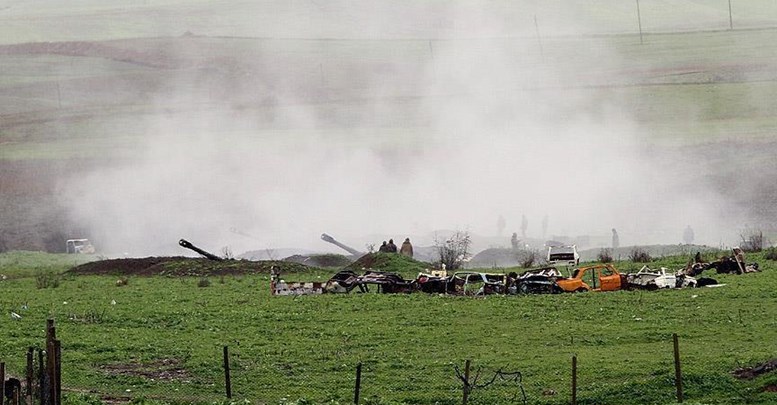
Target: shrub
(752,240)
(639,255)
(528,257)
(454,250)
(771,253)
(605,255)
(204,282)
(46,279)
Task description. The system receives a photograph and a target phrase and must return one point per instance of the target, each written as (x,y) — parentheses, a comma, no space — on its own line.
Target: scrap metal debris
(546,280)
(734,264)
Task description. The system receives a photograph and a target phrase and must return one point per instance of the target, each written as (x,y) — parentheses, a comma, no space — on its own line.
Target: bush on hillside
(604,255)
(639,255)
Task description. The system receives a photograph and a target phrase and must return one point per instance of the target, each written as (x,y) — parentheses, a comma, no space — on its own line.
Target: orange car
(599,277)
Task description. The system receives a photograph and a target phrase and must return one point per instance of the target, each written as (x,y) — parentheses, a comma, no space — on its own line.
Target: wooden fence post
(57,372)
(30,372)
(678,375)
(357,389)
(51,361)
(574,380)
(465,398)
(227,379)
(41,378)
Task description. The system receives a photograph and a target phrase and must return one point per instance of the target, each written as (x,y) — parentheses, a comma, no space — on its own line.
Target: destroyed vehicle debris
(346,281)
(280,287)
(649,279)
(434,283)
(387,282)
(342,282)
(476,284)
(599,277)
(734,264)
(539,281)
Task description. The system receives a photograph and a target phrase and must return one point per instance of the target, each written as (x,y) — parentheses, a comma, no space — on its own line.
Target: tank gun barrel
(185,243)
(327,238)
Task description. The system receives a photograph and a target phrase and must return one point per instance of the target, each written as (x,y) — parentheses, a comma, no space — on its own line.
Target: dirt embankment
(183,266)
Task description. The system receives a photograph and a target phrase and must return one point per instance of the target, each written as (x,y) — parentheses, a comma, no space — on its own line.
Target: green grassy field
(305,349)
(691,82)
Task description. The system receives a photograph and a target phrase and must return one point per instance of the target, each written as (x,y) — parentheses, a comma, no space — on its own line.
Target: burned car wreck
(734,264)
(545,280)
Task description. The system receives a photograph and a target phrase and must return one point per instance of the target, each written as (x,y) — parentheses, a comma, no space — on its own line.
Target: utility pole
(639,21)
(539,39)
(730,19)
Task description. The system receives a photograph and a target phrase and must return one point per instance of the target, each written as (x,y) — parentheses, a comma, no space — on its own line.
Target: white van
(563,255)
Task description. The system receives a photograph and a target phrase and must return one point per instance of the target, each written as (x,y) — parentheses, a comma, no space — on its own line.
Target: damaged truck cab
(599,277)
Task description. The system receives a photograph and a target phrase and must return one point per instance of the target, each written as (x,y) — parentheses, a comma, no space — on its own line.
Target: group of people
(390,247)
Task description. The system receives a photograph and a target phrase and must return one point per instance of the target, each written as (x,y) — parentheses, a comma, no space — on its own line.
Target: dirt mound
(183,266)
(391,262)
(325,260)
(496,257)
(748,373)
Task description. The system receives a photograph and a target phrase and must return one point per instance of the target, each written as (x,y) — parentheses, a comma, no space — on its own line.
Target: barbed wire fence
(41,381)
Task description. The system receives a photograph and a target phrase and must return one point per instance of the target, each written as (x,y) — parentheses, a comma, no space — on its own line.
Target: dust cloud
(413,121)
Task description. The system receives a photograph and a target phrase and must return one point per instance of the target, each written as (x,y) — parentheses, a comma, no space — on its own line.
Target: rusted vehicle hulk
(599,277)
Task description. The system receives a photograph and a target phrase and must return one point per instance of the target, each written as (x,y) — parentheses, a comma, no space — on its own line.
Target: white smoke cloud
(393,138)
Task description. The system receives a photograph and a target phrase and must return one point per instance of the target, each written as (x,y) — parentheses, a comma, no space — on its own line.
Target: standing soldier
(514,240)
(407,248)
(615,240)
(688,235)
(392,248)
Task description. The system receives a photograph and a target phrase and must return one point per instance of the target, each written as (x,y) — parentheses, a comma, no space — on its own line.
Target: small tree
(605,255)
(529,257)
(639,255)
(454,250)
(752,240)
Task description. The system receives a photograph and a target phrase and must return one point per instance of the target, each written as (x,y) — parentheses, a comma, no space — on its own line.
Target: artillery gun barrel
(185,243)
(327,238)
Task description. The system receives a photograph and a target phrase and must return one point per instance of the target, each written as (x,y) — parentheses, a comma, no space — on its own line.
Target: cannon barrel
(327,238)
(185,243)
